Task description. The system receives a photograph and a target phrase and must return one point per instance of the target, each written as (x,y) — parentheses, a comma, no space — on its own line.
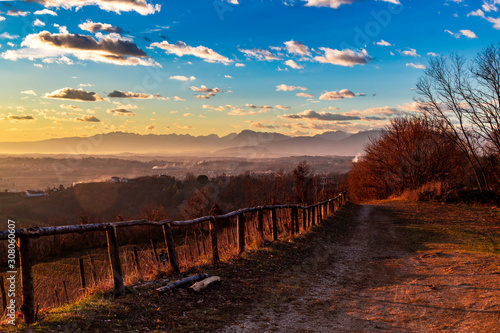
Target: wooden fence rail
(311,215)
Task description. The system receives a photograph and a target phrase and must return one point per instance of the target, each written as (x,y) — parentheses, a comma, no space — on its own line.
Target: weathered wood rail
(311,215)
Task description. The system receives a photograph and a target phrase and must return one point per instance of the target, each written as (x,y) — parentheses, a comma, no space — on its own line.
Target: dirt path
(371,282)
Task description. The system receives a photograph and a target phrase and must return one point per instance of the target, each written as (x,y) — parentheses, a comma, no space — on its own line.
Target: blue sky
(303,67)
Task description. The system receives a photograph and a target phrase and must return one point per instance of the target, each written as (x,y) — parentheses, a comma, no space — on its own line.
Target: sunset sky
(298,67)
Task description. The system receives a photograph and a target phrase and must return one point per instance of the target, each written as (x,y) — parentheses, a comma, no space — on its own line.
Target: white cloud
(480,13)
(383,43)
(215,108)
(117,6)
(410,53)
(305,95)
(181,49)
(121,112)
(323,116)
(228,76)
(29,92)
(293,64)
(328,3)
(432,54)
(2,18)
(280,107)
(417,66)
(239,65)
(466,33)
(38,23)
(74,94)
(15,12)
(45,12)
(97,26)
(260,54)
(182,78)
(284,87)
(294,47)
(333,95)
(178,99)
(132,95)
(112,49)
(348,58)
(6,35)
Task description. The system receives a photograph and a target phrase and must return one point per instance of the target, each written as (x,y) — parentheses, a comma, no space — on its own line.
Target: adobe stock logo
(381,19)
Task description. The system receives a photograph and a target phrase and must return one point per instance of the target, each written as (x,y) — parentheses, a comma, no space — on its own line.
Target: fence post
(304,219)
(28,307)
(292,222)
(137,262)
(172,254)
(313,215)
(320,215)
(92,268)
(296,214)
(275,224)
(213,237)
(82,273)
(260,223)
(241,233)
(114,259)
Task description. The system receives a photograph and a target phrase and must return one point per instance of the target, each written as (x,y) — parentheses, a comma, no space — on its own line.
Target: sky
(297,67)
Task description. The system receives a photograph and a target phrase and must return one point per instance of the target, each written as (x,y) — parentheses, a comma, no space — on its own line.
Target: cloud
(75,94)
(410,53)
(284,87)
(348,58)
(181,49)
(383,43)
(262,55)
(97,26)
(38,23)
(417,66)
(280,107)
(117,6)
(466,33)
(480,13)
(325,116)
(129,94)
(182,78)
(294,47)
(432,54)
(293,64)
(178,99)
(261,126)
(45,12)
(239,65)
(112,49)
(91,119)
(2,18)
(15,12)
(70,107)
(121,112)
(6,35)
(16,118)
(333,95)
(305,95)
(207,92)
(328,3)
(150,128)
(215,108)
(228,76)
(29,92)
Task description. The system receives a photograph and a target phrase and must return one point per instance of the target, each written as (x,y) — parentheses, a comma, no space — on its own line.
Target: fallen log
(202,285)
(180,283)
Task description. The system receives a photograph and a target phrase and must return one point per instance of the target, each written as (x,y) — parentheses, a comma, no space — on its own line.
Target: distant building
(124,180)
(115,179)
(31,193)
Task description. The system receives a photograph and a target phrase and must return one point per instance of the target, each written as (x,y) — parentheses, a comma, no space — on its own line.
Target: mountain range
(244,144)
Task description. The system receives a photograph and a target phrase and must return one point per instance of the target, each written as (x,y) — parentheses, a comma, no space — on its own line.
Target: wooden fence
(310,215)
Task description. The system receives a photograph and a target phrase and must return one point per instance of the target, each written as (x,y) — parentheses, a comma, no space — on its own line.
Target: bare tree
(463,100)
